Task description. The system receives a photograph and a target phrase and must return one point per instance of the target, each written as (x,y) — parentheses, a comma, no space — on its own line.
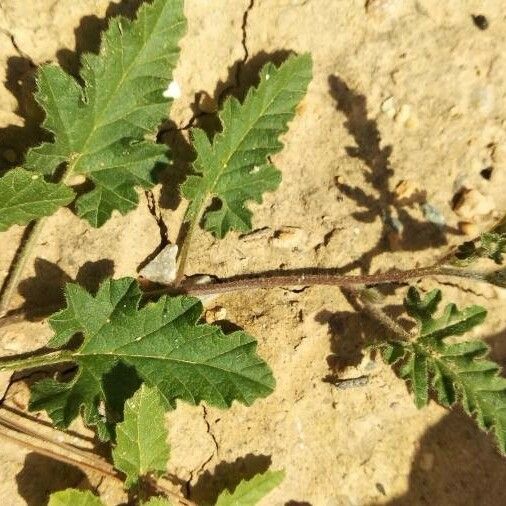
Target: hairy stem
(184,252)
(305,277)
(53,447)
(52,358)
(26,251)
(377,314)
(19,264)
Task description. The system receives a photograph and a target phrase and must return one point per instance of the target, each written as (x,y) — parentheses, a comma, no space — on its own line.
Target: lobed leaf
(457,372)
(249,492)
(141,445)
(74,497)
(490,245)
(161,344)
(25,196)
(101,129)
(157,501)
(234,168)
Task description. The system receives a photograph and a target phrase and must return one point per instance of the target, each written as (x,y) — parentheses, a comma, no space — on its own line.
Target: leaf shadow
(15,139)
(350,333)
(41,476)
(400,228)
(455,463)
(49,281)
(240,77)
(20,81)
(227,475)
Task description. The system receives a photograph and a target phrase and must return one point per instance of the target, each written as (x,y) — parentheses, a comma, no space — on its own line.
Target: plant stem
(15,363)
(53,447)
(26,250)
(305,277)
(376,313)
(183,254)
(19,264)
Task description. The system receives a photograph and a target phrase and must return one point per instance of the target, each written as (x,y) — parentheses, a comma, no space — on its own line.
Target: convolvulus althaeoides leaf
(25,196)
(234,167)
(105,128)
(457,371)
(141,439)
(164,345)
(249,492)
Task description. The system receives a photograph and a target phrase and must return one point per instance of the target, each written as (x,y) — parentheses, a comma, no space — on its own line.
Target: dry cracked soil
(406,109)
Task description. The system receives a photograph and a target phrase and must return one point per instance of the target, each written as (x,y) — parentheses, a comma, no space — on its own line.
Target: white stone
(173,91)
(162,269)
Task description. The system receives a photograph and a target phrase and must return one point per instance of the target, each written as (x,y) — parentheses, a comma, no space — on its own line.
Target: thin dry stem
(52,446)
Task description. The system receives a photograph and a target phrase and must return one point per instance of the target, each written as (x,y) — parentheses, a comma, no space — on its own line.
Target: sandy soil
(403,90)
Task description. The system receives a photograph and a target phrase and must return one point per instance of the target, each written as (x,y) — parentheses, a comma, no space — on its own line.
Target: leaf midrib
(99,118)
(224,163)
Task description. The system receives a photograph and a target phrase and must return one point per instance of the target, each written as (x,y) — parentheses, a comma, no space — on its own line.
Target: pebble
(216,314)
(471,204)
(404,114)
(289,237)
(206,103)
(482,99)
(433,214)
(407,192)
(173,90)
(388,107)
(468,228)
(162,269)
(77,179)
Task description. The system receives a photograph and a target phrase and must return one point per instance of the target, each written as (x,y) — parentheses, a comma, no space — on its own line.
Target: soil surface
(406,110)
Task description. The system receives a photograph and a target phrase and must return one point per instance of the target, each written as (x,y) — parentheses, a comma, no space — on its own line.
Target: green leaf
(74,497)
(494,246)
(25,196)
(157,501)
(457,372)
(164,344)
(497,278)
(142,438)
(248,493)
(101,129)
(490,245)
(234,168)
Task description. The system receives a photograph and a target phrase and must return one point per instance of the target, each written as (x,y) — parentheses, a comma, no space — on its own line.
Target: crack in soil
(154,210)
(197,471)
(237,78)
(462,289)
(16,46)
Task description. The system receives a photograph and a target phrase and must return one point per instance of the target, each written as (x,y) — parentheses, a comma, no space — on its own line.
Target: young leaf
(497,278)
(141,438)
(457,372)
(490,245)
(100,129)
(74,497)
(157,501)
(164,344)
(248,493)
(25,196)
(234,167)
